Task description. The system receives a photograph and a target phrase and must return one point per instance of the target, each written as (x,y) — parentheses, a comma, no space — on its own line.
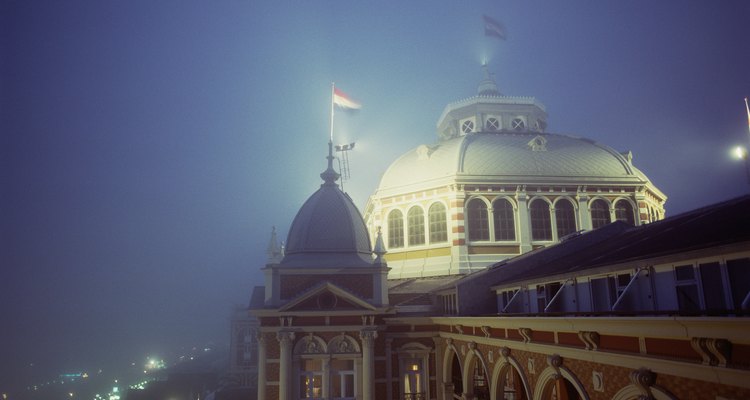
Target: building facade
(603,306)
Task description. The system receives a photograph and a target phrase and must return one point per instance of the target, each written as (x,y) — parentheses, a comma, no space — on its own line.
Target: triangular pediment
(327,297)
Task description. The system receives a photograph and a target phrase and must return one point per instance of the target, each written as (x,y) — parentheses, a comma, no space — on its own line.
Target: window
(342,379)
(541,228)
(504,299)
(481,387)
(605,291)
(505,228)
(413,379)
(311,379)
(467,126)
(599,214)
(687,288)
(415,218)
(517,124)
(450,304)
(739,280)
(478,222)
(395,229)
(624,212)
(492,124)
(565,218)
(438,225)
(545,293)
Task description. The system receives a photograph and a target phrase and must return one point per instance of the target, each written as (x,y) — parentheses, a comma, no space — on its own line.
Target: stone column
(584,216)
(326,378)
(439,354)
(285,364)
(389,368)
(368,363)
(261,366)
(524,220)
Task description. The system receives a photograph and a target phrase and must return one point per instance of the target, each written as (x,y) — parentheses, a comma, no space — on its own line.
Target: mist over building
(501,262)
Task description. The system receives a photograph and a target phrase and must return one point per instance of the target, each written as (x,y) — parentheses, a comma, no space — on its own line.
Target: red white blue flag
(344,101)
(494,28)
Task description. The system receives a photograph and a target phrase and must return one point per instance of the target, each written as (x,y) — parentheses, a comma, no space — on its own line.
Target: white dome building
(497,185)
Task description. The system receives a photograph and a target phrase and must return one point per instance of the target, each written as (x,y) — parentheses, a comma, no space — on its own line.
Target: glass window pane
(684,273)
(479,228)
(687,297)
(713,289)
(505,227)
(599,214)
(624,212)
(438,224)
(416,226)
(739,280)
(395,229)
(565,218)
(541,226)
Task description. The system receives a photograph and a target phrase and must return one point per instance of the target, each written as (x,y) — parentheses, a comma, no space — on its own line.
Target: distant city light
(739,152)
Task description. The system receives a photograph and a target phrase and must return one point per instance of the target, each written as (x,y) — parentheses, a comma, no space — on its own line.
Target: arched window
(599,214)
(438,224)
(624,212)
(415,226)
(541,227)
(395,229)
(505,227)
(479,228)
(565,218)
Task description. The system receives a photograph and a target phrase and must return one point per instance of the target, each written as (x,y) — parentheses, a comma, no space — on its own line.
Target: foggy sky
(149,147)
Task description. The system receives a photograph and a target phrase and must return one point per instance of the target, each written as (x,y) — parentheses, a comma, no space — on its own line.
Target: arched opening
(624,212)
(541,227)
(510,384)
(559,384)
(505,227)
(395,229)
(415,226)
(599,213)
(438,224)
(479,228)
(456,378)
(565,218)
(476,377)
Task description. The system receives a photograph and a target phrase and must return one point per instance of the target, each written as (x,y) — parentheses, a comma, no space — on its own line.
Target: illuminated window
(413,379)
(479,228)
(505,228)
(415,226)
(438,224)
(624,212)
(467,126)
(492,124)
(311,379)
(565,218)
(517,124)
(599,214)
(395,229)
(541,226)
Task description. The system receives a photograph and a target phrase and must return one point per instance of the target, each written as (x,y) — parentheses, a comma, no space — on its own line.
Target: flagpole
(333,89)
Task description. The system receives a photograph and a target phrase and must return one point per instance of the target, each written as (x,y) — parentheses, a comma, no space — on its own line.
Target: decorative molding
(459,329)
(505,353)
(525,334)
(486,331)
(712,351)
(643,379)
(555,361)
(590,339)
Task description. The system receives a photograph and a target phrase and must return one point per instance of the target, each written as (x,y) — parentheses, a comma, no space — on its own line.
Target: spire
(274,251)
(330,176)
(379,249)
(488,87)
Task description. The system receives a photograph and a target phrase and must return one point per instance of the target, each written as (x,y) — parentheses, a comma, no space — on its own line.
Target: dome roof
(328,230)
(528,157)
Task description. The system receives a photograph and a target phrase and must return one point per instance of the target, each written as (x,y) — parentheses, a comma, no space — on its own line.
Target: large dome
(328,230)
(512,157)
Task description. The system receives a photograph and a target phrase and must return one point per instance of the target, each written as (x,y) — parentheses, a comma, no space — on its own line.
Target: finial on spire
(274,251)
(379,249)
(488,87)
(330,176)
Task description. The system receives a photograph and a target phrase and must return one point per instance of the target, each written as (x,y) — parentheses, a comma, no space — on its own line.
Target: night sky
(148,147)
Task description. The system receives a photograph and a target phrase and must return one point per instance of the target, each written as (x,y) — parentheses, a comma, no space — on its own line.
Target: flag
(494,28)
(342,100)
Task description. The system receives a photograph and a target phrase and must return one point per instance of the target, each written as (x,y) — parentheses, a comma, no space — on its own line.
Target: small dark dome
(328,231)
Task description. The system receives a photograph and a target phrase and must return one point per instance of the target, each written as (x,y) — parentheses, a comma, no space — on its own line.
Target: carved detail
(459,329)
(486,331)
(472,346)
(713,351)
(505,352)
(590,339)
(285,337)
(525,334)
(643,379)
(555,361)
